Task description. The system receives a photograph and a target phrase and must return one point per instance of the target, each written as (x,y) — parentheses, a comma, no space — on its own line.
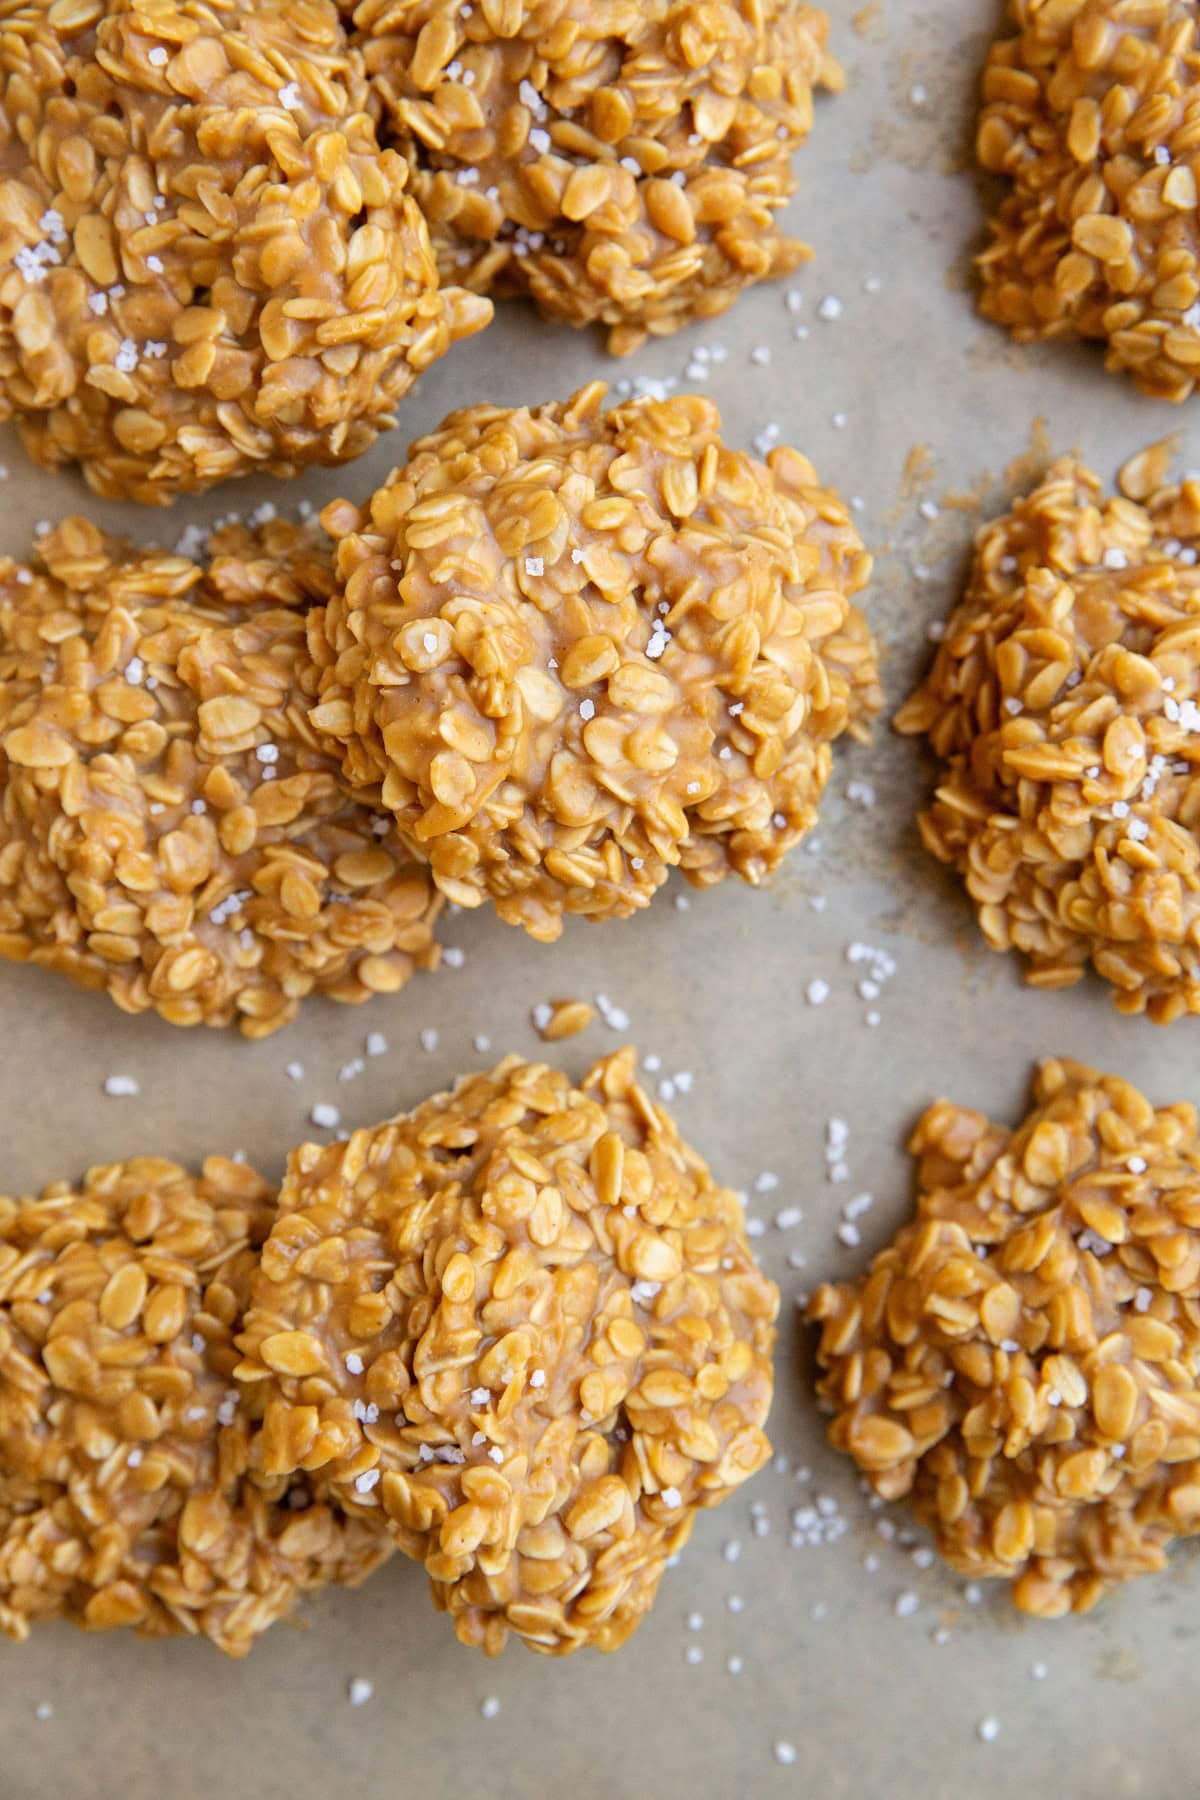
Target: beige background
(869,1702)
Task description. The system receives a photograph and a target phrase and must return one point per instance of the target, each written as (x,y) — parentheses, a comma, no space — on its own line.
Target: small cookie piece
(1063,701)
(170,830)
(1089,113)
(572,649)
(621,161)
(1020,1362)
(208,267)
(124,1447)
(522,1329)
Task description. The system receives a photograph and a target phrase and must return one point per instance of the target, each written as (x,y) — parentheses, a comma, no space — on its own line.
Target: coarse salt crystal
(326,1117)
(120,1087)
(359,1691)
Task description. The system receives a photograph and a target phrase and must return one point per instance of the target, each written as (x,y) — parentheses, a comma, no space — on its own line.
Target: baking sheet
(838,1658)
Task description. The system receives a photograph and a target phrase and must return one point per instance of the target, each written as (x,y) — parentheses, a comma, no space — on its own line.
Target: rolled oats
(1021,1361)
(124,1441)
(621,161)
(170,830)
(570,650)
(1089,112)
(521,1329)
(207,265)
(1063,703)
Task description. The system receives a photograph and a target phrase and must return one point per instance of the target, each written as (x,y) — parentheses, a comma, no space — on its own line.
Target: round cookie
(572,649)
(1063,702)
(1089,115)
(521,1329)
(124,1448)
(1020,1361)
(207,265)
(621,161)
(170,831)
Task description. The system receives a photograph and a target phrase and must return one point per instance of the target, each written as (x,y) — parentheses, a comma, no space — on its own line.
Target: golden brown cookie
(1089,114)
(522,1330)
(572,649)
(1020,1362)
(621,161)
(1063,702)
(170,830)
(207,265)
(124,1443)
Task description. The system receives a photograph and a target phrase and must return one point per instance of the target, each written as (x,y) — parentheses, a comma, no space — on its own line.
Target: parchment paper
(869,1703)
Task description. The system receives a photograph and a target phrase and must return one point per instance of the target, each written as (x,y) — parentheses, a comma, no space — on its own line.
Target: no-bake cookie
(124,1441)
(621,161)
(170,830)
(571,649)
(1064,702)
(208,267)
(521,1330)
(1020,1362)
(1090,112)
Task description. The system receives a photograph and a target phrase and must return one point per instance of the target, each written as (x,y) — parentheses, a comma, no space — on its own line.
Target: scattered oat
(562,1019)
